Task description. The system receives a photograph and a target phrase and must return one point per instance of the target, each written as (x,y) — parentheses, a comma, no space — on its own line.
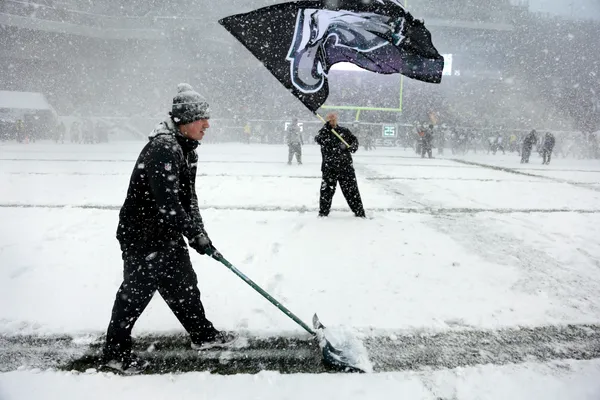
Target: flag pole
(333,130)
(402,77)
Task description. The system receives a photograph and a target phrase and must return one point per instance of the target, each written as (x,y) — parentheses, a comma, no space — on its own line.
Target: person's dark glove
(343,146)
(202,244)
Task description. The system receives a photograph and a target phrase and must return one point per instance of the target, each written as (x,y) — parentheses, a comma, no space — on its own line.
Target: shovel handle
(266,295)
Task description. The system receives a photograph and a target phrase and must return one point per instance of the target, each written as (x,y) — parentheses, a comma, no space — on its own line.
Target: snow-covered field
(560,380)
(446,246)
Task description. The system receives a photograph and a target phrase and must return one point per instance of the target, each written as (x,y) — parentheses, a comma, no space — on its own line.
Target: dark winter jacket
(428,139)
(549,142)
(334,156)
(294,138)
(161,203)
(530,140)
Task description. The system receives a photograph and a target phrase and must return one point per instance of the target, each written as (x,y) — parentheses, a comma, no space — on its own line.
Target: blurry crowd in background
(511,70)
(464,140)
(32,128)
(425,138)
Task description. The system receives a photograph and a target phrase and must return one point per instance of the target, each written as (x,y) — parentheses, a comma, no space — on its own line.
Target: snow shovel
(331,355)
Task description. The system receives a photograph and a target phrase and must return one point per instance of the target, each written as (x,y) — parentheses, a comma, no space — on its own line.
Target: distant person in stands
(247,133)
(31,128)
(548,147)
(406,140)
(499,144)
(512,143)
(427,142)
(294,142)
(20,131)
(372,140)
(474,140)
(528,143)
(491,143)
(59,133)
(441,139)
(419,138)
(594,148)
(101,132)
(368,138)
(4,130)
(75,132)
(88,133)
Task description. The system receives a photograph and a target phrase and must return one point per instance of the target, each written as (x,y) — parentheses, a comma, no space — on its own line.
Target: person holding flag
(336,166)
(292,40)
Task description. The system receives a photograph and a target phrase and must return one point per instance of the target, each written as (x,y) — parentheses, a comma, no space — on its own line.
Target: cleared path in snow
(397,351)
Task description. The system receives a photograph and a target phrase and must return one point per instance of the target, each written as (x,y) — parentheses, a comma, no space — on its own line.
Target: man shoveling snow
(161,208)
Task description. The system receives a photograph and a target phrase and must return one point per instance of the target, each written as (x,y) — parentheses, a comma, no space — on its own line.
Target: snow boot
(130,365)
(220,340)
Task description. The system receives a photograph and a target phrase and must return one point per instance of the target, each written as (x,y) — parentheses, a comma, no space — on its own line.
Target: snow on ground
(393,272)
(232,191)
(560,168)
(396,271)
(406,268)
(573,380)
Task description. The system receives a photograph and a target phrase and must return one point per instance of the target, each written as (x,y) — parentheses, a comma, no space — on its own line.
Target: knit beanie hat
(188,106)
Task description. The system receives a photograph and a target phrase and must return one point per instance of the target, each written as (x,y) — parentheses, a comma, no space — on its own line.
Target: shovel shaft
(266,295)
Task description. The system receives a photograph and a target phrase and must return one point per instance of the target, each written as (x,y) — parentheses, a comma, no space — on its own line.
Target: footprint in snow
(298,227)
(275,248)
(274,282)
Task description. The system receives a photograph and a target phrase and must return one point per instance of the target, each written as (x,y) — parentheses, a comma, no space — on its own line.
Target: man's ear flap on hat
(175,120)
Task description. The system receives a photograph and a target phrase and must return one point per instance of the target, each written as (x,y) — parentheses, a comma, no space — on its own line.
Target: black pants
(297,150)
(347,179)
(547,154)
(525,154)
(426,150)
(171,273)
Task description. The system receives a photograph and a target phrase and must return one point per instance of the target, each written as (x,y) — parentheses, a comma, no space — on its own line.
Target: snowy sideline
(396,271)
(573,380)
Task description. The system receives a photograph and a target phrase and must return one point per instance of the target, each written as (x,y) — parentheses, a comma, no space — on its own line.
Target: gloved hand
(343,146)
(202,244)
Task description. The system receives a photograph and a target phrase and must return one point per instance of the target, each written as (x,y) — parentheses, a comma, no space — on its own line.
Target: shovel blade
(332,356)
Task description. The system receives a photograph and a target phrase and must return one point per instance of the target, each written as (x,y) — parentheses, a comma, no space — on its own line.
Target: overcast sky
(580,8)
